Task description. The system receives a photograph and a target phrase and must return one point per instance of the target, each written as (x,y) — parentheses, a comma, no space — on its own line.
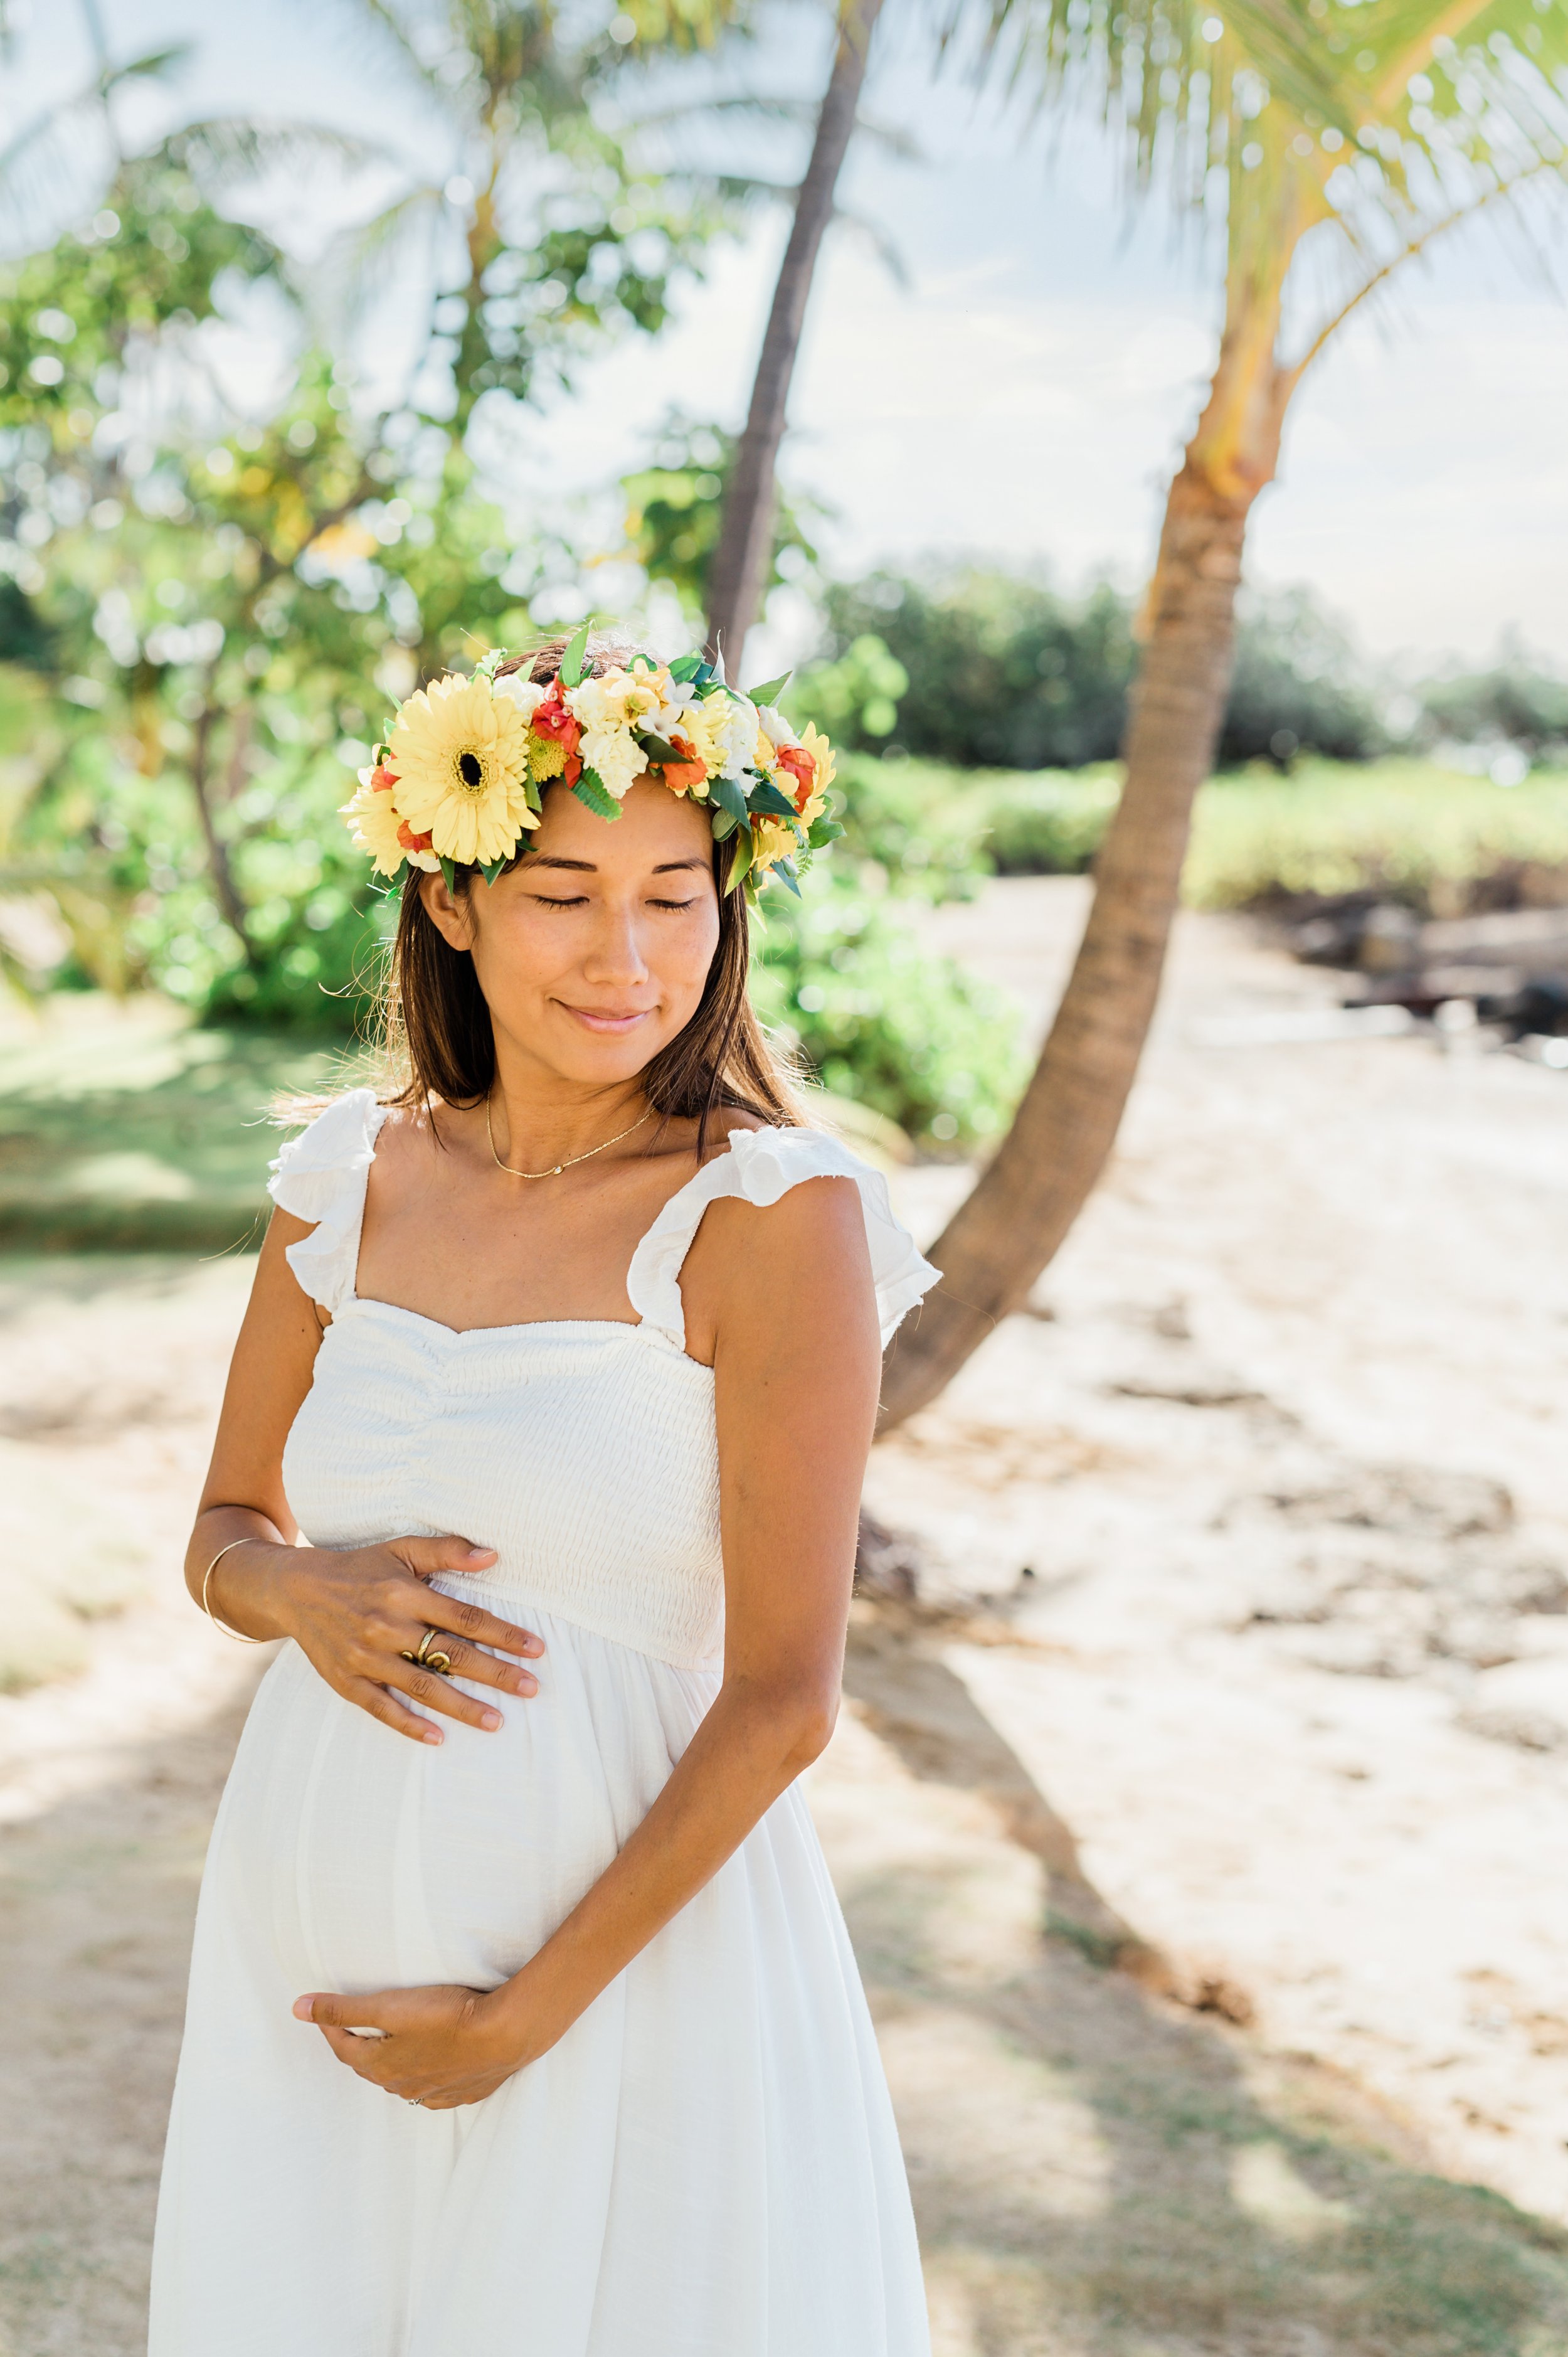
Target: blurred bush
(925,826)
(1519,701)
(674,506)
(1406,830)
(912,1037)
(1297,686)
(1002,672)
(1049,825)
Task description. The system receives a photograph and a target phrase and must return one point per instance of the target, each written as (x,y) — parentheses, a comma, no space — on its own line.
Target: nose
(615,960)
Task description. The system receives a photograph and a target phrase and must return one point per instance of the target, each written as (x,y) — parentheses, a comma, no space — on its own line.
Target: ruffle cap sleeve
(320,1175)
(760,1166)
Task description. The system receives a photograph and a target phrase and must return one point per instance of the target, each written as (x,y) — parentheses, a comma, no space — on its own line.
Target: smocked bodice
(584,1451)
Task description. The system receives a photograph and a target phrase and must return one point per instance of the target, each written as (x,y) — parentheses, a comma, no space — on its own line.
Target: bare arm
(354,1611)
(797,1363)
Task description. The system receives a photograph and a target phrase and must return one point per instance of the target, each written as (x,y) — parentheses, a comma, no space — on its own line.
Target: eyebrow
(587,867)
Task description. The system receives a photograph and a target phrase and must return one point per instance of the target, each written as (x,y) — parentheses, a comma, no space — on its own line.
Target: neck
(538,1118)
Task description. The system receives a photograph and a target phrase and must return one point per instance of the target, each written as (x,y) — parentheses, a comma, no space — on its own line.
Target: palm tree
(740,561)
(1355,135)
(528,222)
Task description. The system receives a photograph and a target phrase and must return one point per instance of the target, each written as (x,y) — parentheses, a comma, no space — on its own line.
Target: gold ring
(429,1656)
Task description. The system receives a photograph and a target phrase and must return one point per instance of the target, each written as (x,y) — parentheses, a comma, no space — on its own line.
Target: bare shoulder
(793,1264)
(407,1149)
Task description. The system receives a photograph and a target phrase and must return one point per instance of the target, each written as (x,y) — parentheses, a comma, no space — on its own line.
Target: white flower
(526,693)
(775,727)
(732,733)
(621,699)
(673,716)
(614,752)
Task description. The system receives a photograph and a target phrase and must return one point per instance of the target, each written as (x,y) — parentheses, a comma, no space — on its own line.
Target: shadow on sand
(1102,2162)
(1100,2170)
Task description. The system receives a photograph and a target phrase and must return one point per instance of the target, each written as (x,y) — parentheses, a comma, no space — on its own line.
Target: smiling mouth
(607,1018)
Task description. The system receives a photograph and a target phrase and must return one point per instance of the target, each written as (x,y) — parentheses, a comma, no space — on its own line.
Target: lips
(611,1021)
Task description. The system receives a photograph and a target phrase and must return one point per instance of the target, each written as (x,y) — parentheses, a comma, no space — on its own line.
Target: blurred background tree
(1374,128)
(222,591)
(247,505)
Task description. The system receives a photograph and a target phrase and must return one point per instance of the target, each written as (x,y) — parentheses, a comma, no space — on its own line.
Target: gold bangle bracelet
(238,1634)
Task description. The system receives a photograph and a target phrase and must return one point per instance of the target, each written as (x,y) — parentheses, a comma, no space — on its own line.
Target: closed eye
(674,904)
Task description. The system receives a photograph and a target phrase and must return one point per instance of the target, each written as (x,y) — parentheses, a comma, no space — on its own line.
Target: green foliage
(551,235)
(855,700)
(1296,685)
(1000,672)
(674,506)
(879,1019)
(1440,841)
(1047,825)
(1425,835)
(1517,699)
(155,257)
(923,825)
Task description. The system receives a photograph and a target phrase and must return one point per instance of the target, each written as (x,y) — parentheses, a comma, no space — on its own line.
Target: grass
(1430,837)
(123,1128)
(1425,835)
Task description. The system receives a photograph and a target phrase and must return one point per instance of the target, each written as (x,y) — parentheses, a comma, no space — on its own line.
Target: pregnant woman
(522,2018)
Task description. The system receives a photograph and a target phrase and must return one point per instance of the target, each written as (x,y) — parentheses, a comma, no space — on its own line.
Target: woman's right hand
(354,1612)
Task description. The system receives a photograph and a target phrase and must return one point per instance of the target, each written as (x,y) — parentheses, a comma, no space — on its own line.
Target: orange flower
(407,837)
(552,719)
(797,762)
(382,781)
(681,776)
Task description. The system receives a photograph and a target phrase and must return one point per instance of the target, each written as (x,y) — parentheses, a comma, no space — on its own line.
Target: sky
(1023,391)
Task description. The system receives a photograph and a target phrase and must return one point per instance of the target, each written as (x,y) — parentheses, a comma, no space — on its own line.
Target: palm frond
(882,244)
(362,261)
(231,147)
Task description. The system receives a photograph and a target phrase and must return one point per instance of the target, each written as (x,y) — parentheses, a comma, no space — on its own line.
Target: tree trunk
(740,561)
(1022,1207)
(224,890)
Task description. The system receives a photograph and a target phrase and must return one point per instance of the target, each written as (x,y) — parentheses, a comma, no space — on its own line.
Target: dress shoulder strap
(760,1166)
(321,1175)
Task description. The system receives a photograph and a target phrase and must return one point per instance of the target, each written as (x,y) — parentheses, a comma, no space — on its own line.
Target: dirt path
(1280,1463)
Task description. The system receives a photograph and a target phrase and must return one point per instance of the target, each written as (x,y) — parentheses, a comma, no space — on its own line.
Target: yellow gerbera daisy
(461,755)
(771,839)
(373,820)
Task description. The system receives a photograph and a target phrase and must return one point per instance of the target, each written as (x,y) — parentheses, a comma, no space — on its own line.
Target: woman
(565,1357)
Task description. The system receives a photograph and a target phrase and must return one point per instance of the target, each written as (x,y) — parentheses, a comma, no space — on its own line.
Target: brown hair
(435,1027)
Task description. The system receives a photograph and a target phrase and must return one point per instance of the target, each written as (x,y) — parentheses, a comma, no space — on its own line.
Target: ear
(452,917)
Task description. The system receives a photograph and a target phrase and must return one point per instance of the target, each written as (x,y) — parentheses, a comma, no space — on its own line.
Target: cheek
(685,960)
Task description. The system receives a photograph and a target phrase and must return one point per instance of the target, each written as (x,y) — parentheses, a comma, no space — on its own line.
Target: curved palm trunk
(1023,1205)
(740,561)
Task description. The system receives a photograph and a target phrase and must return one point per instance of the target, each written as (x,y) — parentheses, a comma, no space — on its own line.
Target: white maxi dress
(706,2164)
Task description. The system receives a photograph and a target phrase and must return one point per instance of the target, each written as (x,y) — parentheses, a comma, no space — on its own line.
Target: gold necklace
(572,1161)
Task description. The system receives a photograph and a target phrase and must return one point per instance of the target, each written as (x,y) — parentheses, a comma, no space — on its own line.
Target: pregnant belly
(363,1860)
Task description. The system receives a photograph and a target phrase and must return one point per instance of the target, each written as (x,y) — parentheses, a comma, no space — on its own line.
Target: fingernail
(526,1686)
(304,2008)
(492,1719)
(431,1735)
(477,1554)
(534,1646)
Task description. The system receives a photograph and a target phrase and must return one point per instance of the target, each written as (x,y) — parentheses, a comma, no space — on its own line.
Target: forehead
(656,828)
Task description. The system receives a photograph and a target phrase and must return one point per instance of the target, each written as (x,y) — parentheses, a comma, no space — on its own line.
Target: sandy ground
(1208,1886)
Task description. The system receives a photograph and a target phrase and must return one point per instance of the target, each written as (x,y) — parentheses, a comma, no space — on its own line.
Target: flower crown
(461,779)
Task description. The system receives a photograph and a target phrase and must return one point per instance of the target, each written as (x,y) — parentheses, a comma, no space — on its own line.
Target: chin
(579,1056)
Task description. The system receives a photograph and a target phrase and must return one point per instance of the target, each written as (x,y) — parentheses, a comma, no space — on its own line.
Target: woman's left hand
(442,2047)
